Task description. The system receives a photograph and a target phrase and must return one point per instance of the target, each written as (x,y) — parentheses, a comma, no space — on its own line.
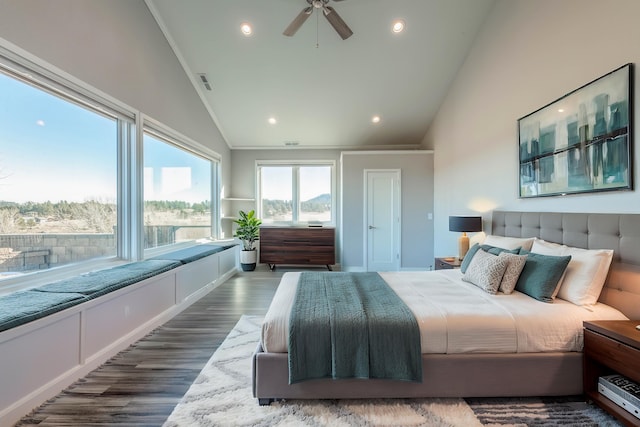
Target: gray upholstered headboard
(620,232)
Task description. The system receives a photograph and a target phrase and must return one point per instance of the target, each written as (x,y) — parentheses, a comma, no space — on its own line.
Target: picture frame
(581,142)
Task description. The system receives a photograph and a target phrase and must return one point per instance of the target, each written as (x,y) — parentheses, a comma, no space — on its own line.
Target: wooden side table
(611,347)
(447,263)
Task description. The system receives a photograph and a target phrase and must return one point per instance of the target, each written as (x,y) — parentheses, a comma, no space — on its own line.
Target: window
(276,194)
(296,193)
(177,193)
(79,190)
(58,179)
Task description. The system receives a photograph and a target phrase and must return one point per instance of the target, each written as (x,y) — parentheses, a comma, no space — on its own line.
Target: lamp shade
(465,223)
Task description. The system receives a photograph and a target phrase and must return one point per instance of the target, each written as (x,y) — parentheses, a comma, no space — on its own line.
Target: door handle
(371,227)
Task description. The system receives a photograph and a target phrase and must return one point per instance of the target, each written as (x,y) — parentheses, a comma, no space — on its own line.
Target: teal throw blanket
(351,325)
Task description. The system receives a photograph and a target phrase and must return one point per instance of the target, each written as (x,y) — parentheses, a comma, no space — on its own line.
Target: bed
(465,359)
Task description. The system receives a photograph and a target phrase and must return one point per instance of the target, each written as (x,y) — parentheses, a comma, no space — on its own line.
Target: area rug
(221,396)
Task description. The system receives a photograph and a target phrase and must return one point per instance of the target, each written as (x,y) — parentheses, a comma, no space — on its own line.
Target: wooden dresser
(297,246)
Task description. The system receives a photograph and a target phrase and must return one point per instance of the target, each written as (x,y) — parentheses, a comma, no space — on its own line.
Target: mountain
(322,199)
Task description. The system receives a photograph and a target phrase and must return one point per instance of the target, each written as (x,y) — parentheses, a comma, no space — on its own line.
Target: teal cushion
(487,248)
(22,307)
(194,253)
(101,282)
(541,274)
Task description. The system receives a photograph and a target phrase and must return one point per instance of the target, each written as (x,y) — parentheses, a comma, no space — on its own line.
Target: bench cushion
(22,307)
(194,253)
(101,282)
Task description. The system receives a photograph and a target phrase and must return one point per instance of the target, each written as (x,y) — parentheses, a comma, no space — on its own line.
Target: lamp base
(463,246)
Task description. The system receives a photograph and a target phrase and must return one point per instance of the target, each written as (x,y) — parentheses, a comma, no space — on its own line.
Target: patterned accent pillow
(512,272)
(486,271)
(488,248)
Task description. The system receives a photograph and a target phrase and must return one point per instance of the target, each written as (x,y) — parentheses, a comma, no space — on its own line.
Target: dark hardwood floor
(141,385)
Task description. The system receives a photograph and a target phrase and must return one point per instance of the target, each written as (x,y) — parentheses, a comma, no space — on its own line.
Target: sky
(276,182)
(52,150)
(46,144)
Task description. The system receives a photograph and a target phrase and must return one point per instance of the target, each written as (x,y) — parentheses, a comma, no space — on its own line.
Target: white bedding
(457,317)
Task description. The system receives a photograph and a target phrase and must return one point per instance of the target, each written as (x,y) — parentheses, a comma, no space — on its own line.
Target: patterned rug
(221,396)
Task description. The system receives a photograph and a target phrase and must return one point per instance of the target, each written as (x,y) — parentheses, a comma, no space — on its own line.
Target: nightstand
(611,347)
(447,263)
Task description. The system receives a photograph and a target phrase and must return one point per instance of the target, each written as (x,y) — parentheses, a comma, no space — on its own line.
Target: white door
(382,220)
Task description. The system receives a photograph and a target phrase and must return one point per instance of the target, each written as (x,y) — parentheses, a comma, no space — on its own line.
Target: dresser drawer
(302,256)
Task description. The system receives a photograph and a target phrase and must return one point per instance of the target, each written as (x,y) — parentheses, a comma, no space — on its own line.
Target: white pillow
(585,275)
(509,242)
(543,247)
(512,272)
(486,271)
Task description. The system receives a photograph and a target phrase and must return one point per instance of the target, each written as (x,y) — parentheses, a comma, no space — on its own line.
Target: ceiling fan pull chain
(317,30)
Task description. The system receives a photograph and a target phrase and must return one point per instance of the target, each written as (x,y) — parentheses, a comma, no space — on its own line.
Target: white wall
(116,47)
(527,54)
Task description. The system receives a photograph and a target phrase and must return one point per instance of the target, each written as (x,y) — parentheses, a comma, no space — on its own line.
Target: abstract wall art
(580,142)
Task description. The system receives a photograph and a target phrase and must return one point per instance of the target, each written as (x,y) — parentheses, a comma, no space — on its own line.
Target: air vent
(292,143)
(204,80)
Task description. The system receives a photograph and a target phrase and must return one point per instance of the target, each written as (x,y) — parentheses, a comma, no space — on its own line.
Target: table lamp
(464,224)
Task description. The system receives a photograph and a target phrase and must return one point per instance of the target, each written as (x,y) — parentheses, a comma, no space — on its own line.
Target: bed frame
(491,375)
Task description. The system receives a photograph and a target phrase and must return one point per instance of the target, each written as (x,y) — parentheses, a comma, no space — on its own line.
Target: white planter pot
(248,260)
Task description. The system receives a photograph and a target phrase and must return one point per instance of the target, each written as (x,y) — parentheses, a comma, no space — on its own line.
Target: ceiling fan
(332,16)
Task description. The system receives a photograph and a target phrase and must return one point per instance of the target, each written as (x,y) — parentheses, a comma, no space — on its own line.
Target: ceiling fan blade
(337,23)
(298,21)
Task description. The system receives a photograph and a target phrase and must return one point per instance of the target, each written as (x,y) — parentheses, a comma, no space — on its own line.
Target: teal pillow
(541,274)
(467,258)
(493,250)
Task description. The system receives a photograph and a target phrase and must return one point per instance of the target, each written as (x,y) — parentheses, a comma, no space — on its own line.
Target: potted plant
(248,231)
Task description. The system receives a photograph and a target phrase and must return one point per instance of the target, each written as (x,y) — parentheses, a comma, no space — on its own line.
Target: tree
(8,219)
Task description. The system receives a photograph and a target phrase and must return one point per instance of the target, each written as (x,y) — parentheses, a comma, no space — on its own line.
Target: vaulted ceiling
(321,91)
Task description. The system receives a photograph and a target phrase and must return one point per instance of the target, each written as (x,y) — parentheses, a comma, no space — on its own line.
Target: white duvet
(457,317)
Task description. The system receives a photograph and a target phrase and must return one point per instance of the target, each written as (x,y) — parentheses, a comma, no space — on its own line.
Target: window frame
(131,125)
(295,202)
(165,134)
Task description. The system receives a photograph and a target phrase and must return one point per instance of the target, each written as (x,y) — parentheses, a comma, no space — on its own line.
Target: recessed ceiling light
(246,29)
(376,119)
(272,120)
(398,26)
